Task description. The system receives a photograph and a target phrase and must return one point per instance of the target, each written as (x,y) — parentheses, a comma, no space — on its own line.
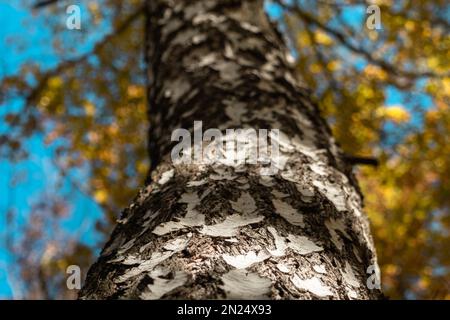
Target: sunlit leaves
(350,70)
(395,113)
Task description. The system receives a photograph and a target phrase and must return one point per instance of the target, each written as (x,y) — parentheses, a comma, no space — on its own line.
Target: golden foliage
(408,196)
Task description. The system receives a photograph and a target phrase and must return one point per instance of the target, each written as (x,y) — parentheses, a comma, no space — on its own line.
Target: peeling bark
(216,231)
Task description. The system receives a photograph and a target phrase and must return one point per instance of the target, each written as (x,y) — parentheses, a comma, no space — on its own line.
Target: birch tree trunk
(214,230)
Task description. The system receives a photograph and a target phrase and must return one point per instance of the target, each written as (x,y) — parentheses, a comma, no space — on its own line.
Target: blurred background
(73,129)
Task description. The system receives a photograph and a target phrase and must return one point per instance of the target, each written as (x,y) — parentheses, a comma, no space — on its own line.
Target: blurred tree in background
(91,108)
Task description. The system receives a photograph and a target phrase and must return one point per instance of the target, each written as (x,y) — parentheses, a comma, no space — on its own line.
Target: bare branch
(71,62)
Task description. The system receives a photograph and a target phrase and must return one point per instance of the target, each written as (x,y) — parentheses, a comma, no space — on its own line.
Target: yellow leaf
(410,25)
(446,86)
(432,116)
(303,38)
(100,196)
(44,101)
(433,62)
(333,65)
(315,68)
(142,167)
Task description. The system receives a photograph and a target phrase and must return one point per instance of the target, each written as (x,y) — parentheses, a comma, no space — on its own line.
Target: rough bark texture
(227,231)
